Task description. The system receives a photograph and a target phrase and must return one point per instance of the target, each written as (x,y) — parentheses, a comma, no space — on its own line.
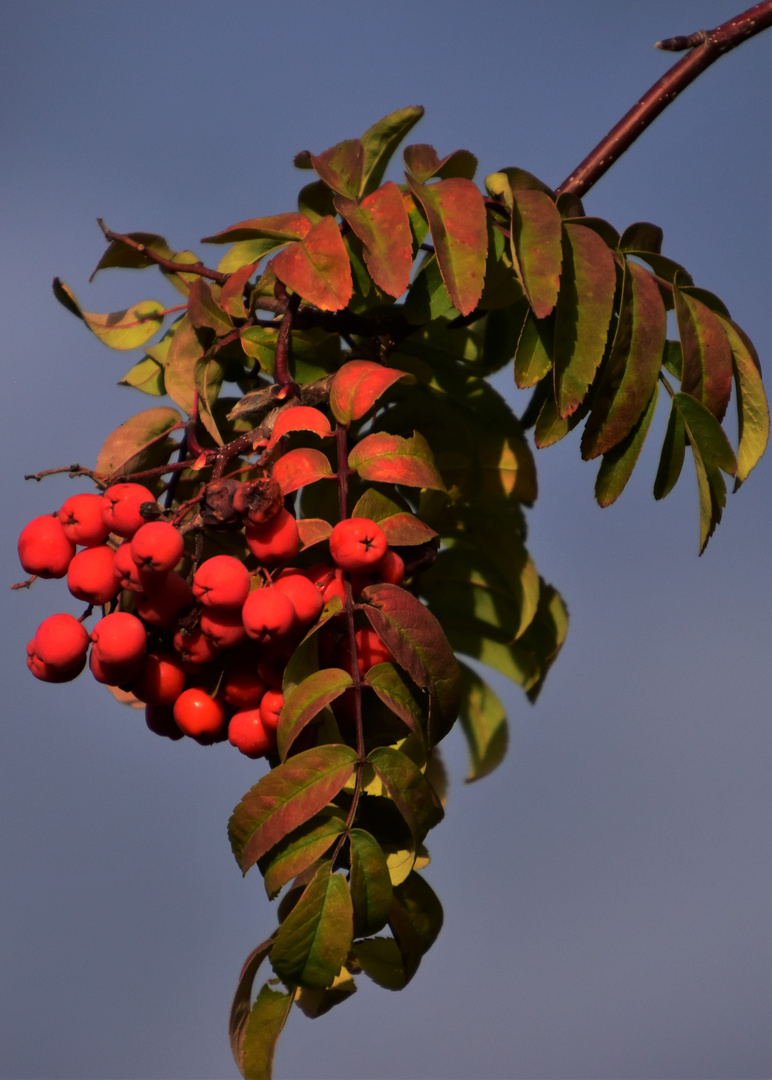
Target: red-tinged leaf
(400,696)
(185,350)
(261,1033)
(342,167)
(408,789)
(306,700)
(300,418)
(642,236)
(317,267)
(232,292)
(423,163)
(632,368)
(406,530)
(382,139)
(286,797)
(417,642)
(301,849)
(583,314)
(299,467)
(381,222)
(281,227)
(119,329)
(536,248)
(618,463)
(241,1006)
(456,214)
(391,459)
(357,385)
(371,891)
(313,531)
(672,456)
(752,408)
(138,442)
(205,312)
(707,356)
(315,938)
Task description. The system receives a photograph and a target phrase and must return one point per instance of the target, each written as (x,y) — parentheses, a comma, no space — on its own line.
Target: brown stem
(73,470)
(159,260)
(708,46)
(281,371)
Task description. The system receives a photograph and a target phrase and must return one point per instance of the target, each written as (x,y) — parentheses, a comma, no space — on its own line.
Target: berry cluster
(201,642)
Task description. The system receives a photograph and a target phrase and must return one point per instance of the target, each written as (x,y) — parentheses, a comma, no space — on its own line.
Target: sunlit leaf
(299,418)
(484,723)
(204,310)
(391,459)
(342,167)
(315,938)
(299,467)
(357,385)
(382,139)
(300,849)
(317,267)
(132,445)
(241,1006)
(285,798)
(423,163)
(382,224)
(752,408)
(707,356)
(280,227)
(261,1033)
(126,329)
(313,531)
(536,248)
(185,350)
(533,356)
(147,376)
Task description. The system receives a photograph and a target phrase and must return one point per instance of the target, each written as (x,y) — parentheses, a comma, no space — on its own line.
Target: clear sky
(607,892)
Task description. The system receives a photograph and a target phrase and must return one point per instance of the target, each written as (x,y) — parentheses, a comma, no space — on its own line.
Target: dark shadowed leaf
(533,356)
(391,459)
(261,1033)
(371,891)
(382,224)
(618,463)
(381,959)
(551,428)
(285,798)
(408,788)
(306,700)
(137,441)
(119,329)
(428,298)
(705,431)
(317,267)
(752,408)
(205,312)
(642,236)
(315,938)
(400,695)
(484,723)
(583,313)
(314,1003)
(342,167)
(301,849)
(299,467)
(241,1006)
(357,385)
(382,139)
(632,368)
(423,163)
(536,248)
(707,356)
(456,214)
(421,905)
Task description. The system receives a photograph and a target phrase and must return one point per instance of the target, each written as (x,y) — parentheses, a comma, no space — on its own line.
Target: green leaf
(315,1003)
(545,635)
(391,459)
(408,788)
(317,267)
(533,356)
(241,1007)
(583,314)
(315,200)
(400,696)
(428,298)
(280,227)
(119,329)
(712,492)
(536,248)
(185,350)
(382,139)
(357,385)
(306,700)
(300,849)
(618,463)
(138,441)
(672,457)
(315,938)
(417,642)
(631,371)
(422,907)
(261,1034)
(752,408)
(456,214)
(484,723)
(204,311)
(501,184)
(706,432)
(382,224)
(371,891)
(285,798)
(551,428)
(342,167)
(707,356)
(147,376)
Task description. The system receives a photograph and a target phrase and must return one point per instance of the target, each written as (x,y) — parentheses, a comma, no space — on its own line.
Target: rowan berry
(199,715)
(119,638)
(161,679)
(357,544)
(81,519)
(276,541)
(268,615)
(61,641)
(248,733)
(270,707)
(44,548)
(91,575)
(157,546)
(222,581)
(306,598)
(120,507)
(163,598)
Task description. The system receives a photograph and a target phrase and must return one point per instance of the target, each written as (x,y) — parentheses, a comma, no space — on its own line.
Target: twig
(159,260)
(707,47)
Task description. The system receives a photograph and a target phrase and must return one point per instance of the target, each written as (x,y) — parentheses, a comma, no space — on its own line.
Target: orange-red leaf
(356,387)
(287,227)
(707,355)
(456,214)
(313,531)
(342,167)
(382,224)
(317,267)
(391,459)
(300,467)
(300,418)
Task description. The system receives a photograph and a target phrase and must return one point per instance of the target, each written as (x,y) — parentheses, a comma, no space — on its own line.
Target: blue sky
(607,892)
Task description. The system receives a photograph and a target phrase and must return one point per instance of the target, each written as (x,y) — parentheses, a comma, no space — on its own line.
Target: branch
(159,260)
(706,47)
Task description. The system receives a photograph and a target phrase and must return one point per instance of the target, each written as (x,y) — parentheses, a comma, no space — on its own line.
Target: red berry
(268,615)
(248,733)
(224,626)
(370,651)
(61,641)
(44,547)
(392,568)
(357,544)
(222,581)
(81,519)
(119,638)
(199,715)
(270,707)
(194,648)
(91,575)
(306,598)
(50,673)
(163,598)
(161,680)
(157,546)
(113,674)
(242,687)
(120,507)
(160,720)
(276,541)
